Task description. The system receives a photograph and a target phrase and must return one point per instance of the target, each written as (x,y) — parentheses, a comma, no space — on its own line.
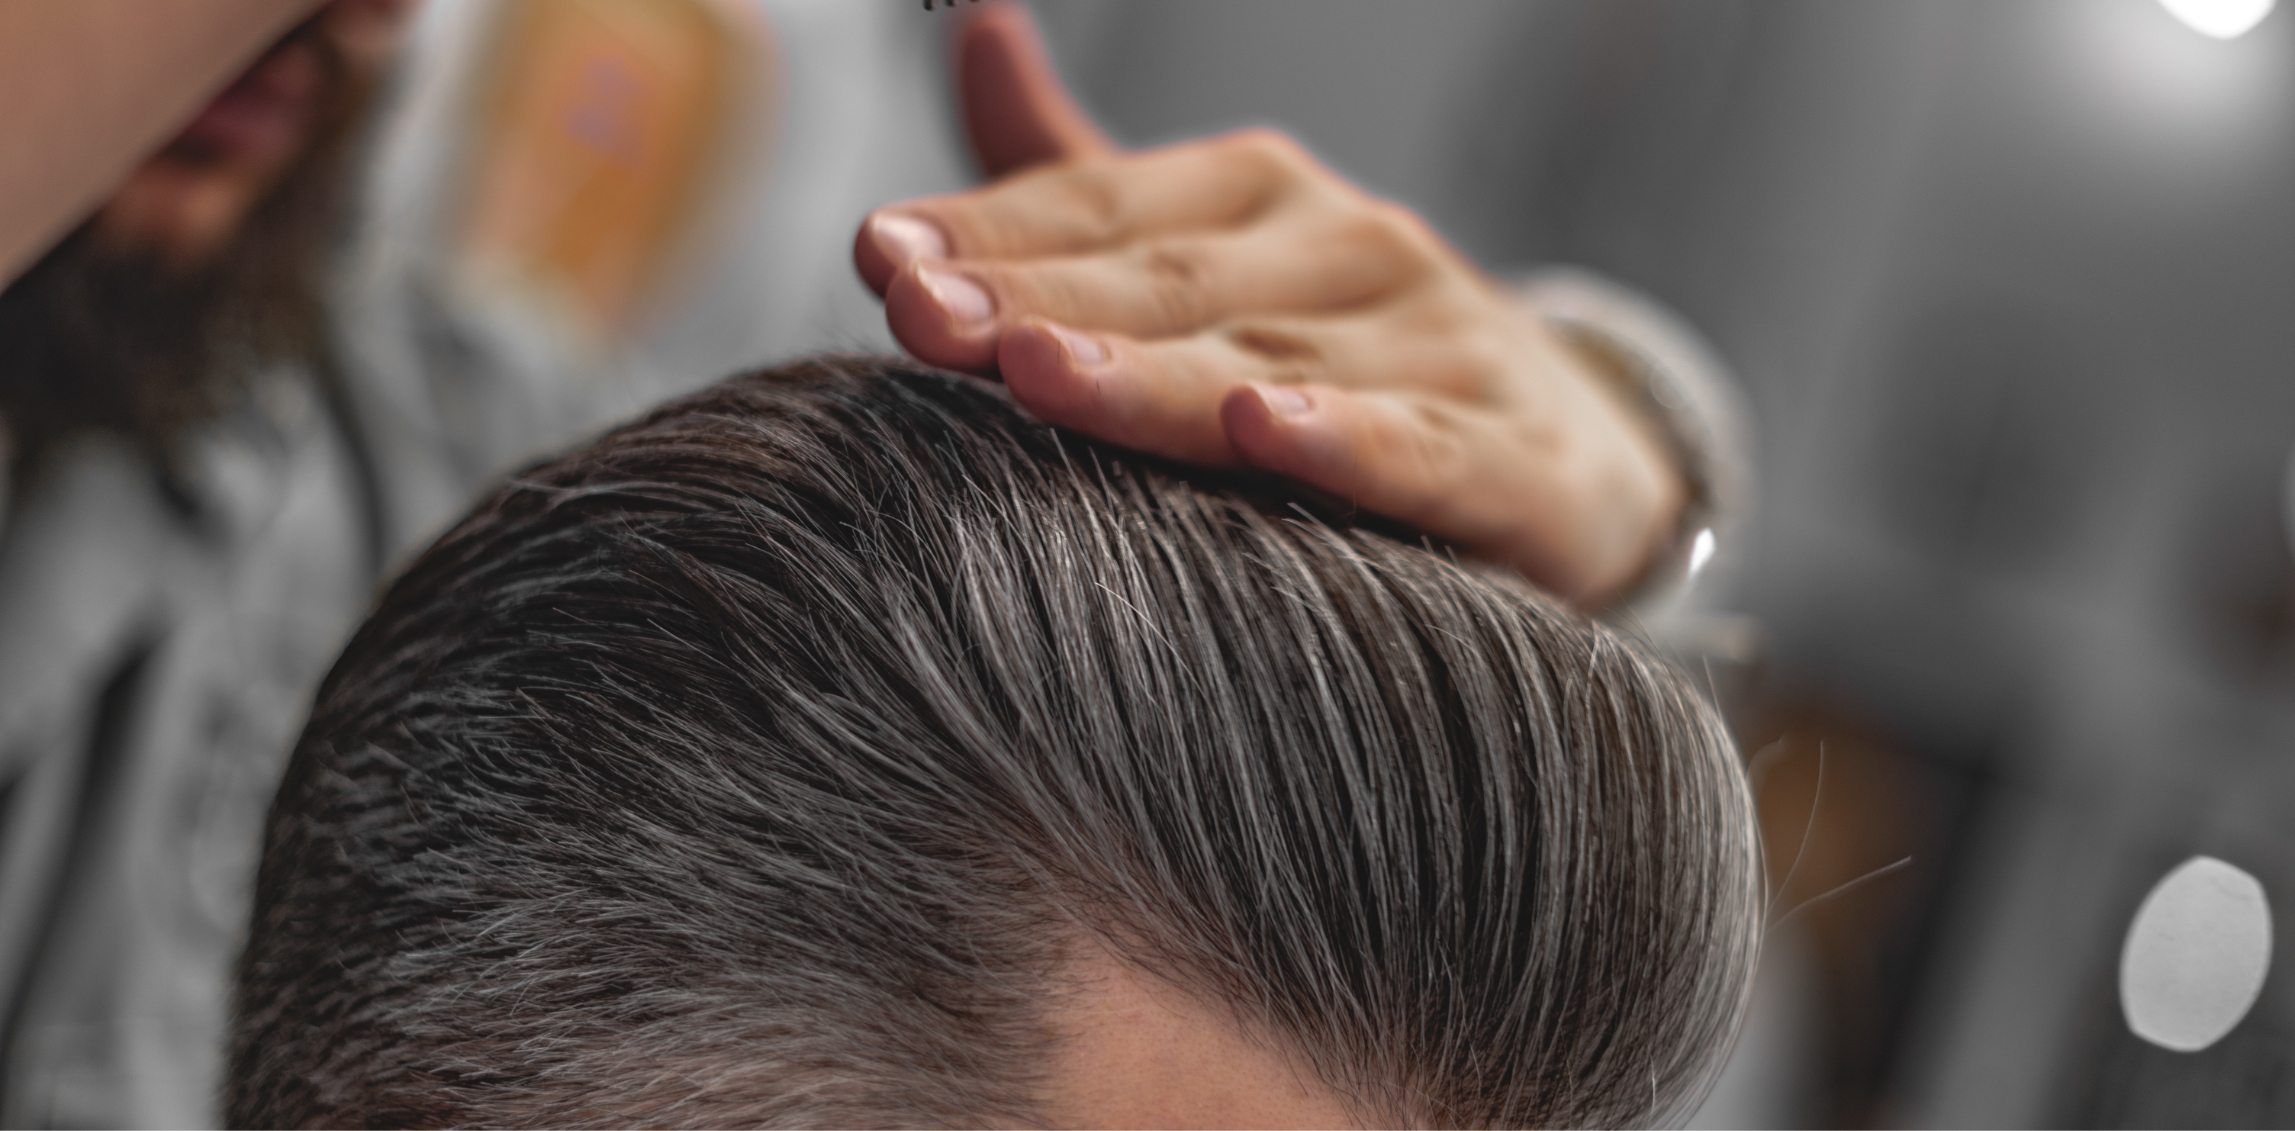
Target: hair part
(756,765)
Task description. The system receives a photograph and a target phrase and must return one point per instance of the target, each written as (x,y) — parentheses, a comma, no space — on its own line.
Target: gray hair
(757,764)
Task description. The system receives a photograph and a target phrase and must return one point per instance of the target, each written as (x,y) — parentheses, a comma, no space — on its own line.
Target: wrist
(1647,498)
(1620,482)
(1675,397)
(1655,509)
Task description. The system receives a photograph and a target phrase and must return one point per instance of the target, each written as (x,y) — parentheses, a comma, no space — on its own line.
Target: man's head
(838,747)
(207,257)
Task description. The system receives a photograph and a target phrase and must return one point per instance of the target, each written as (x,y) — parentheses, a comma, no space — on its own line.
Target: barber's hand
(1232,302)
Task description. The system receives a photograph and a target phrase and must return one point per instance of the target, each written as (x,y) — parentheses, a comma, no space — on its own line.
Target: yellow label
(599,128)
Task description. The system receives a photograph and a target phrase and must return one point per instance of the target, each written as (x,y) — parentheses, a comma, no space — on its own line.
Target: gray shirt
(161,630)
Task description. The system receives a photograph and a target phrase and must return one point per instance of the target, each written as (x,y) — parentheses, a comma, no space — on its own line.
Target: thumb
(1016,109)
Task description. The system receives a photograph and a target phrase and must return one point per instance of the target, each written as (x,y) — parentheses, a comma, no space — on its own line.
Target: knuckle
(986,232)
(1435,439)
(1286,356)
(1059,295)
(1276,154)
(1271,168)
(1179,281)
(1094,205)
(1383,235)
(1404,231)
(1275,344)
(1175,261)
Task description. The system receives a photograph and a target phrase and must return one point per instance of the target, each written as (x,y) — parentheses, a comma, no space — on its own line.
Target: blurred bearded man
(194,522)
(206,263)
(186,537)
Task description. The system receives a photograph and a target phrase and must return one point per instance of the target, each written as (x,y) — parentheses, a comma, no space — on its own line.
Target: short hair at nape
(759,763)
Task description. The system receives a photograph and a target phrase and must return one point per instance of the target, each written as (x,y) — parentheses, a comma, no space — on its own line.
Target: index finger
(1086,205)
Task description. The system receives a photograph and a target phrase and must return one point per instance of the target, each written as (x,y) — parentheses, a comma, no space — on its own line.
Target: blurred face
(207,262)
(188,202)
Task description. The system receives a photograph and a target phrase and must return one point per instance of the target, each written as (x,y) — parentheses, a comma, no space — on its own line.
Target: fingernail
(1284,401)
(960,298)
(1084,352)
(905,239)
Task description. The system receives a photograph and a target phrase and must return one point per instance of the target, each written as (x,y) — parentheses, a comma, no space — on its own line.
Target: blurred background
(2010,285)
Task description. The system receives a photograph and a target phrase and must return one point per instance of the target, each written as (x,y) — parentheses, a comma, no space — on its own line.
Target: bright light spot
(2164,126)
(2223,19)
(1701,551)
(2196,955)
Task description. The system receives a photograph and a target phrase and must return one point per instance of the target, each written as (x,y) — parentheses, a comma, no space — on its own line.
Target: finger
(1159,288)
(1166,396)
(1159,398)
(1064,372)
(1452,470)
(1077,209)
(942,316)
(1520,495)
(1016,110)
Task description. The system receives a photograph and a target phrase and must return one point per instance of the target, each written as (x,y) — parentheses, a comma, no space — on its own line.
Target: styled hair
(760,763)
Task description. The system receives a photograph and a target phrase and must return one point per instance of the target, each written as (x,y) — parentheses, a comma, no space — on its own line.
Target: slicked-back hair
(760,764)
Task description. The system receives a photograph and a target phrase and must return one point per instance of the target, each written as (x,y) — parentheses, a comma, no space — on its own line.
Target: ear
(1016,109)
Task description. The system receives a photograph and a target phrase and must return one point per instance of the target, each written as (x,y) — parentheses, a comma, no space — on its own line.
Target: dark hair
(757,764)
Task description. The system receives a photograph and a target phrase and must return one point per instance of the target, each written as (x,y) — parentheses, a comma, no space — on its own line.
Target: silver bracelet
(1668,373)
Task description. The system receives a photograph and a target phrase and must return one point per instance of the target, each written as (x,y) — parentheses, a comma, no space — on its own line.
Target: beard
(96,338)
